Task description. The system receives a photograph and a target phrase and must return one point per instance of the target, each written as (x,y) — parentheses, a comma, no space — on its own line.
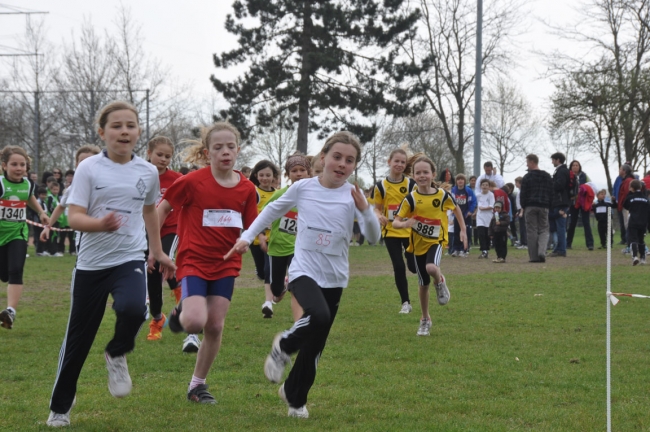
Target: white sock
(195,382)
(12,310)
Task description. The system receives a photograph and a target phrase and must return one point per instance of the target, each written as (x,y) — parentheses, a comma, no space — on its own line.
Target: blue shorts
(196,286)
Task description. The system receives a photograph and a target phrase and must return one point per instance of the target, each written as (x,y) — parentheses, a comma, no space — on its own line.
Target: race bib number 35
(429,228)
(12,210)
(289,223)
(222,218)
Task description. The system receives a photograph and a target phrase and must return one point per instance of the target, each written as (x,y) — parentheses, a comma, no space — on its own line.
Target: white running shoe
(267,309)
(276,361)
(643,261)
(425,327)
(455,253)
(442,292)
(58,254)
(299,412)
(119,381)
(406,308)
(191,344)
(635,261)
(58,420)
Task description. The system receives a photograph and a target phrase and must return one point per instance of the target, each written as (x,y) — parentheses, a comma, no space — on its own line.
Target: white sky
(184,36)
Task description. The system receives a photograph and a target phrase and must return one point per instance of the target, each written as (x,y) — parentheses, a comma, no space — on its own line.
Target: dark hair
(511,187)
(184,170)
(488,164)
(442,177)
(57,169)
(579,165)
(46,175)
(472,177)
(559,156)
(636,185)
(263,164)
(69,172)
(41,190)
(52,179)
(485,181)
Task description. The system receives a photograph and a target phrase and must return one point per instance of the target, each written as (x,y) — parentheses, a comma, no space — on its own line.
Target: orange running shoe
(176,293)
(155,328)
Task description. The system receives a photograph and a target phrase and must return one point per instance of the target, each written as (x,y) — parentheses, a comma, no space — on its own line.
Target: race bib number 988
(429,228)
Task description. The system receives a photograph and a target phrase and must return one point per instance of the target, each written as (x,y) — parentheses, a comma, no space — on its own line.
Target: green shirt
(52,204)
(13,209)
(283,230)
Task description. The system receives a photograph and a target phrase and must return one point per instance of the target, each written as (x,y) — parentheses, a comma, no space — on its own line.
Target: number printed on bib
(429,228)
(322,240)
(222,218)
(392,211)
(13,211)
(289,223)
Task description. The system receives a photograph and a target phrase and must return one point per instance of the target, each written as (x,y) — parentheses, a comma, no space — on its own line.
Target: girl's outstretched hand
(360,200)
(241,247)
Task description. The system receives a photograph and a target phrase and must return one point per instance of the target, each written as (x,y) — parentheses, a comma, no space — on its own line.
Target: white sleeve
(369,224)
(63,202)
(490,199)
(273,210)
(83,184)
(154,193)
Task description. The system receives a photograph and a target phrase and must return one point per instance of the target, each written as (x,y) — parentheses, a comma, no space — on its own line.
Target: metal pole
(37,134)
(147,115)
(608,342)
(92,115)
(477,92)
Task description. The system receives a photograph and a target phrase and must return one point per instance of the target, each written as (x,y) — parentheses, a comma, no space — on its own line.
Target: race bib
(601,209)
(13,211)
(289,223)
(429,228)
(323,241)
(222,218)
(392,212)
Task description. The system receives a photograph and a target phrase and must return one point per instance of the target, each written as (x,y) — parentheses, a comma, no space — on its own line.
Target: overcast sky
(184,36)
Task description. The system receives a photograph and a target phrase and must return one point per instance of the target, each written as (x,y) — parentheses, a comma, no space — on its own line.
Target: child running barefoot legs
(16,193)
(320,269)
(214,204)
(425,212)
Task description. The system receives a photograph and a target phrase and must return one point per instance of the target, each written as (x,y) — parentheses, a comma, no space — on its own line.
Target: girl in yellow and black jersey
(388,194)
(263,175)
(425,211)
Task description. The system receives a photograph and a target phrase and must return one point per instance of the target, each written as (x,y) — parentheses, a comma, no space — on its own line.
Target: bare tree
(275,142)
(375,152)
(509,126)
(440,61)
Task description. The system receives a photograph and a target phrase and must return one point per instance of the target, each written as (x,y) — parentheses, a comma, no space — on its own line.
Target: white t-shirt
(496,178)
(325,223)
(450,221)
(102,186)
(483,217)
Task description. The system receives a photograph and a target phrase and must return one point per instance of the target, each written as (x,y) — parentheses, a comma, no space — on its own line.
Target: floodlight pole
(477,91)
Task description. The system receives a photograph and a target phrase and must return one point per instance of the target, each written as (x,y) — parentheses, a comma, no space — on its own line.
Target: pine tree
(316,61)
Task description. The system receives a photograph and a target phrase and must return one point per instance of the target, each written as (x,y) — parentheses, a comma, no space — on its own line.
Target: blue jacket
(617,186)
(465,199)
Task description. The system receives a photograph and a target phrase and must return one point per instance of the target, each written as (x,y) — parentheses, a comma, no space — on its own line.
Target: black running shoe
(174,320)
(200,394)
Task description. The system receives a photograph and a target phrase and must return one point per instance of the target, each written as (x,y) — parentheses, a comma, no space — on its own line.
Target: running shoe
(406,308)
(267,309)
(643,261)
(276,361)
(635,261)
(176,293)
(191,344)
(174,319)
(200,394)
(425,327)
(119,380)
(442,292)
(7,318)
(58,254)
(155,328)
(60,420)
(293,412)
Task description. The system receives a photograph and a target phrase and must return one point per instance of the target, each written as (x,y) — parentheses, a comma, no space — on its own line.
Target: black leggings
(261,259)
(308,335)
(483,238)
(396,246)
(278,270)
(12,261)
(154,279)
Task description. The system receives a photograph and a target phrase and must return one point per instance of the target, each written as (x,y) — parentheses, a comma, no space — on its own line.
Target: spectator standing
(619,213)
(560,202)
(638,206)
(535,198)
(499,232)
(579,178)
(523,241)
(600,210)
(490,174)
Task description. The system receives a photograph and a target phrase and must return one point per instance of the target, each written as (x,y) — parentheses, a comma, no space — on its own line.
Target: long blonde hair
(195,155)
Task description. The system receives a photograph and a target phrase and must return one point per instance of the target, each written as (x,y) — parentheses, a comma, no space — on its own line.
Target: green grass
(520,347)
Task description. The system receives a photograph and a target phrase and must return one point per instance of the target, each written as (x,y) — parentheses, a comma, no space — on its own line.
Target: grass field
(520,347)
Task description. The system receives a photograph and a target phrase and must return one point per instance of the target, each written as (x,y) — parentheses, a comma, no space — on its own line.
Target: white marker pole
(609,324)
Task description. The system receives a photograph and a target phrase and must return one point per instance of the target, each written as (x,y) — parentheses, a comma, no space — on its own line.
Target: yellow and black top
(390,195)
(262,198)
(430,212)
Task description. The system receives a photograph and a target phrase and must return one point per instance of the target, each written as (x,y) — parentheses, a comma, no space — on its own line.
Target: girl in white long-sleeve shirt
(327,206)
